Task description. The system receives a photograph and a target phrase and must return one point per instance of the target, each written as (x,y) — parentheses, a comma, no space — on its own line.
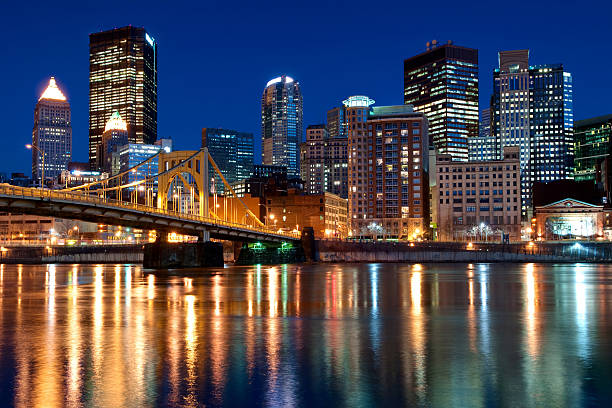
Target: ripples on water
(322,335)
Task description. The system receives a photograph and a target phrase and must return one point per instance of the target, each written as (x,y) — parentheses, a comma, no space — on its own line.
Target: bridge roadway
(70,205)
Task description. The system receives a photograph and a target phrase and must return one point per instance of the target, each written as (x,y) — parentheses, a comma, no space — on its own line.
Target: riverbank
(341,252)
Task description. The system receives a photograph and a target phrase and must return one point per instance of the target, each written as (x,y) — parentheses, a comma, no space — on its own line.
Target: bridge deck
(84,207)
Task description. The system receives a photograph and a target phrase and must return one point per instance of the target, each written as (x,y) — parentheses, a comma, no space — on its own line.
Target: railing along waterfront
(16,191)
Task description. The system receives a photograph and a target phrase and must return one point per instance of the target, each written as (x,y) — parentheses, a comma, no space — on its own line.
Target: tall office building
(592,145)
(281,124)
(123,78)
(52,133)
(323,162)
(357,108)
(532,107)
(483,147)
(442,83)
(395,147)
(232,151)
(312,159)
(115,135)
(337,125)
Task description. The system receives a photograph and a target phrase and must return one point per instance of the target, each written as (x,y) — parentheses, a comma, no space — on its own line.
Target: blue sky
(215,57)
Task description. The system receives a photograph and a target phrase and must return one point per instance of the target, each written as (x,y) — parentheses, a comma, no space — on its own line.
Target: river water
(313,335)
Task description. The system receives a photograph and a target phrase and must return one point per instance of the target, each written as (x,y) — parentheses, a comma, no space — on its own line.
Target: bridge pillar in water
(162,254)
(308,244)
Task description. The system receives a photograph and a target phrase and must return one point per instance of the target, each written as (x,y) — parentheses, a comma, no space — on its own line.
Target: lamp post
(42,180)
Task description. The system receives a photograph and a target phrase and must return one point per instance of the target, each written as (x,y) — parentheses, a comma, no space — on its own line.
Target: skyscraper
(123,78)
(532,107)
(323,162)
(232,151)
(443,84)
(357,108)
(593,144)
(281,124)
(52,133)
(115,135)
(483,147)
(393,175)
(337,124)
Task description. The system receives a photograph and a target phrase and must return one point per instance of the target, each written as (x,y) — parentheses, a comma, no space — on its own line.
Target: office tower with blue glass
(442,83)
(52,134)
(483,146)
(532,107)
(232,151)
(281,124)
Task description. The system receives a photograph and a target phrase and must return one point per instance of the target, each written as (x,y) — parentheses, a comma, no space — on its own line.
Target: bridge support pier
(171,255)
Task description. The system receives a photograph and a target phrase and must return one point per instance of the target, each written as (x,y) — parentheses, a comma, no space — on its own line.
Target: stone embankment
(340,251)
(73,254)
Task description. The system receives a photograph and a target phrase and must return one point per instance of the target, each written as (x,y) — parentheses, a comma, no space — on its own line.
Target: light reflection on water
(355,335)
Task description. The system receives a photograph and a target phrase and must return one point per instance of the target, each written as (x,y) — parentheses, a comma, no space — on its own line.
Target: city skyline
(323,87)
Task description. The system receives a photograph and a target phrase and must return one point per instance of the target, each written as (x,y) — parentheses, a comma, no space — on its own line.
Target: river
(359,335)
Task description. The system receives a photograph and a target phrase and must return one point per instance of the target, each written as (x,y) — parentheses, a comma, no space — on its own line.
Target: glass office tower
(443,84)
(52,133)
(281,124)
(123,78)
(232,151)
(591,145)
(532,107)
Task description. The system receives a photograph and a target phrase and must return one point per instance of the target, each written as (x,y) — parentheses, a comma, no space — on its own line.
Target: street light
(42,181)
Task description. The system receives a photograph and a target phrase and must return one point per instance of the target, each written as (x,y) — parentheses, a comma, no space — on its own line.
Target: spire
(115,123)
(52,92)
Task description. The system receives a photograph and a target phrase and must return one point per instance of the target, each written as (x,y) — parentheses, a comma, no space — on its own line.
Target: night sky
(215,57)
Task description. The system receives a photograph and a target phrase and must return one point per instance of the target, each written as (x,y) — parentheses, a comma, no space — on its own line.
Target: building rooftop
(115,122)
(52,92)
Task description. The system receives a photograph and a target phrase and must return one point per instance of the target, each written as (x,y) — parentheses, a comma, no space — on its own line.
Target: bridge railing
(16,191)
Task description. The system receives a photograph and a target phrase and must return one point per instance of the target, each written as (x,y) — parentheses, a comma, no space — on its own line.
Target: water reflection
(358,335)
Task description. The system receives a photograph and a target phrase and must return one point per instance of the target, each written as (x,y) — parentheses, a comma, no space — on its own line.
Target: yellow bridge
(151,201)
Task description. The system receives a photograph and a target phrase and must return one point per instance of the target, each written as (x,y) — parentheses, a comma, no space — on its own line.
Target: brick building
(326,213)
(389,175)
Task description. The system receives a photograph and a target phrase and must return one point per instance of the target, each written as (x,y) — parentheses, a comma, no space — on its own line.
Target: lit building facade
(591,145)
(479,200)
(281,124)
(292,211)
(123,78)
(393,175)
(115,135)
(483,147)
(132,154)
(442,83)
(337,124)
(232,151)
(52,133)
(532,107)
(357,108)
(312,159)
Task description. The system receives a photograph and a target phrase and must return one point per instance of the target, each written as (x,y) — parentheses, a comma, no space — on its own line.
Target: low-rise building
(479,200)
(569,219)
(326,213)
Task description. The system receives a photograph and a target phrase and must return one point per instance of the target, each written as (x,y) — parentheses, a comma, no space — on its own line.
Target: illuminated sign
(150,40)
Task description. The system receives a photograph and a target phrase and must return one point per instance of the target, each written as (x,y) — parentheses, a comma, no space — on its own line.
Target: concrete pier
(163,255)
